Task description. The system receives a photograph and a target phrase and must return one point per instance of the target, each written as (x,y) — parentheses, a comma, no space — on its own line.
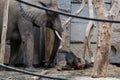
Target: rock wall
(115,48)
(77,48)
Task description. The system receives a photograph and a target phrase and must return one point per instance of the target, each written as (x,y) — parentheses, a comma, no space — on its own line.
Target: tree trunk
(4,31)
(103,42)
(64,43)
(104,37)
(88,35)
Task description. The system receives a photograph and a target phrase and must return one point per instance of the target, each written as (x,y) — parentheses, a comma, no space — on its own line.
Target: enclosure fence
(61,13)
(66,14)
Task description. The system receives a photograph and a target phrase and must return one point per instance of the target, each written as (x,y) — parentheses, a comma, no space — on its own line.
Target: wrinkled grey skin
(20,29)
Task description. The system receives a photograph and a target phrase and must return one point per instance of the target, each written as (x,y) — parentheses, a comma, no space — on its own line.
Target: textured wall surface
(115,55)
(77,31)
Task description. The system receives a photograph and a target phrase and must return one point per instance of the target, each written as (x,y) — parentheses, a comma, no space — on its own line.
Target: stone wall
(115,50)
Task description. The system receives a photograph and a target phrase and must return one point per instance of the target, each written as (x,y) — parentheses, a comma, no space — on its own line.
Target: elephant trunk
(54,51)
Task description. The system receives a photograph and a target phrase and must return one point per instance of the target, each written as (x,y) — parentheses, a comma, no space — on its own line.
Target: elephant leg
(37,55)
(56,45)
(26,32)
(42,44)
(29,52)
(15,45)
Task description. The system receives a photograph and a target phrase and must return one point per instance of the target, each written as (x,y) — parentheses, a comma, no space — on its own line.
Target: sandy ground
(113,74)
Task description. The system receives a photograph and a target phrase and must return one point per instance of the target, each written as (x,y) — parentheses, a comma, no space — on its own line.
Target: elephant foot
(49,65)
(11,64)
(3,69)
(31,69)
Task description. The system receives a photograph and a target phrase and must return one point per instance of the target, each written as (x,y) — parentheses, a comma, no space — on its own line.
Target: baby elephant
(73,62)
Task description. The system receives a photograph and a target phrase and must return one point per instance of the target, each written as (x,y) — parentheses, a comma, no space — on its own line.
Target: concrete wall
(77,31)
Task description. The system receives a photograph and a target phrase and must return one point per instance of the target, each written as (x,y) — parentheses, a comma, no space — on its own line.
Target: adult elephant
(22,19)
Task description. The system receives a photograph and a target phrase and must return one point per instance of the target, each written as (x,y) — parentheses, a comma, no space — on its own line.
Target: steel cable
(61,13)
(30,73)
(67,14)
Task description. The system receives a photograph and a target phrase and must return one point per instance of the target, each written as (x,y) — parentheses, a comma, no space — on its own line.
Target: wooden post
(4,31)
(103,41)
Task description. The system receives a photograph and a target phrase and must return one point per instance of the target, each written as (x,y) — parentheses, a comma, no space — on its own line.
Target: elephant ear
(53,18)
(37,16)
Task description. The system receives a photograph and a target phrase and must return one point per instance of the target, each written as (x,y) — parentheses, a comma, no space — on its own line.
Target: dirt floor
(113,74)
